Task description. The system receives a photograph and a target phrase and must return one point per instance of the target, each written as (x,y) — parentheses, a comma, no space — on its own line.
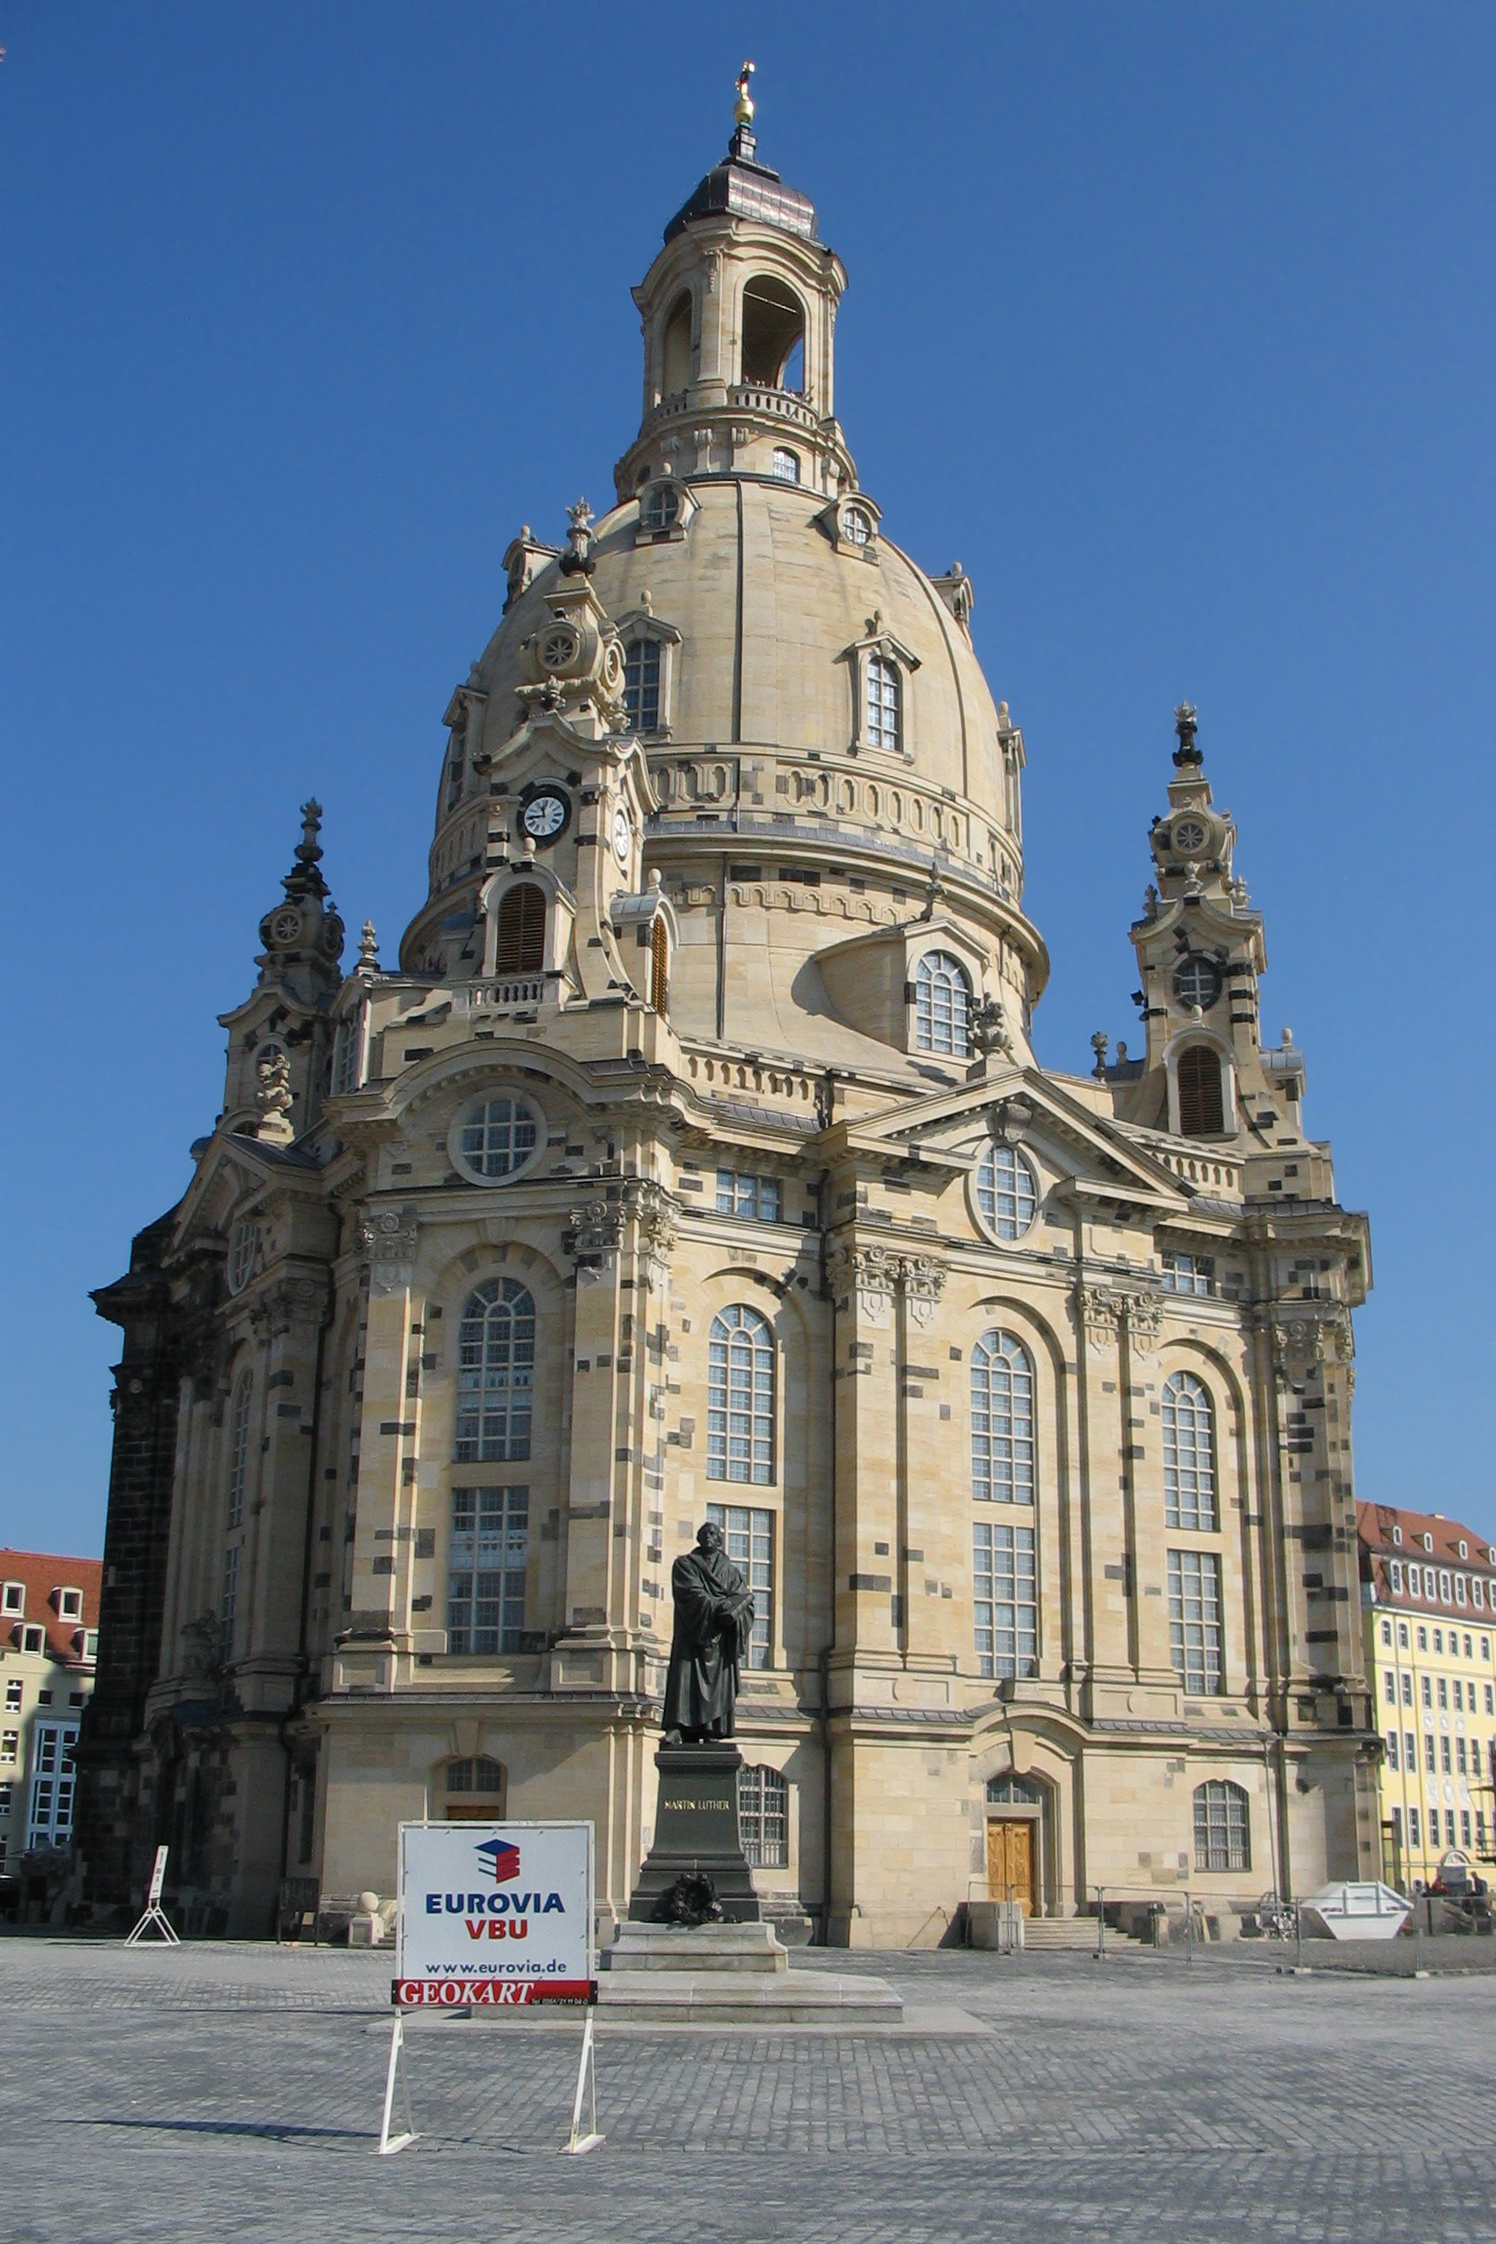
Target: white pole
(389,2144)
(586,2076)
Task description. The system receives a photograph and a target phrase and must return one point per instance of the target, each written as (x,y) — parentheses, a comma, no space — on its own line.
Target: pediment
(547,747)
(235,1171)
(952,1128)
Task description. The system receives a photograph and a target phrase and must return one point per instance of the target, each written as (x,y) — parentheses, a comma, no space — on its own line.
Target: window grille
(1195,1622)
(1189,1273)
(740,1398)
(1005,1604)
(486,1569)
(749,1536)
(1202,1112)
(479,1774)
(1002,1420)
(884,699)
(1007,1195)
(942,1001)
(1189,1454)
(495,1374)
(1012,1791)
(857,527)
(239,1449)
(1222,1837)
(764,1818)
(641,686)
(742,1195)
(1197,981)
(786,464)
(521,930)
(498,1137)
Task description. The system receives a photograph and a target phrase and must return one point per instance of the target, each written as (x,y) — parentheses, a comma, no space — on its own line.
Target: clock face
(545,815)
(286,926)
(622,835)
(1190,836)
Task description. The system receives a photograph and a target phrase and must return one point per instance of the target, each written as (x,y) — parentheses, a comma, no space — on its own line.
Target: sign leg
(388,2143)
(586,2081)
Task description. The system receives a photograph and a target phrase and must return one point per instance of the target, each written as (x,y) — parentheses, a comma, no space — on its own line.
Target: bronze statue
(713,1622)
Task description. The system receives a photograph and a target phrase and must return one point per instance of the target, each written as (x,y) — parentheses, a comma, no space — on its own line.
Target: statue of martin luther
(713,1623)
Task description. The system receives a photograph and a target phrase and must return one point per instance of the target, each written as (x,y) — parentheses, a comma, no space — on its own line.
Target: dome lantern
(739,313)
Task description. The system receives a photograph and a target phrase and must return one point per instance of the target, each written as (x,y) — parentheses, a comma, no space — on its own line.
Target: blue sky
(1173,322)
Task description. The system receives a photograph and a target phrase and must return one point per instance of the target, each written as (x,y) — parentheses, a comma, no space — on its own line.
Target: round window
(661,507)
(1007,1191)
(1197,981)
(1191,835)
(497,1139)
(857,527)
(558,648)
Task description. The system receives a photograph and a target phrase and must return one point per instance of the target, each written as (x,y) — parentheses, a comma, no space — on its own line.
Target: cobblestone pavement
(224,2090)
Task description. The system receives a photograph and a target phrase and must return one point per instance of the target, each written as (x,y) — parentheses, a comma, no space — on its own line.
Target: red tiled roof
(44,1574)
(1375,1522)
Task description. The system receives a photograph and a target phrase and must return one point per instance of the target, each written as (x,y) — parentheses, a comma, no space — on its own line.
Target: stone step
(1062,1932)
(725,1998)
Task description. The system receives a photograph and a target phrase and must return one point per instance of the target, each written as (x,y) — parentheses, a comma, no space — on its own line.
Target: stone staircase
(1046,1933)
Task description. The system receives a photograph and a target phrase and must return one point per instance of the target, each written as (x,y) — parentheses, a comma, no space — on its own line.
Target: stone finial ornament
(1187,724)
(1099,1043)
(274,1100)
(368,945)
(579,560)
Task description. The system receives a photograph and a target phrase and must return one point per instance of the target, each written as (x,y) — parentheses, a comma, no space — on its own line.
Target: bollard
(1101,1924)
(1298,1937)
(1189,1926)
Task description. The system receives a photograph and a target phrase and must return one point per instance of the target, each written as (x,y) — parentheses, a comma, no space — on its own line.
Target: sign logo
(500,1858)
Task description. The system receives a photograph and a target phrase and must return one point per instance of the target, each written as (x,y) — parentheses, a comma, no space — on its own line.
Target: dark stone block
(696,1829)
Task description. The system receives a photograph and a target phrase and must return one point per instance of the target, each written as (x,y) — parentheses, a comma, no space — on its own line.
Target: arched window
(884,701)
(740,1397)
(676,372)
(942,1001)
(1222,1833)
(1202,1112)
(773,325)
(239,1449)
(1002,1420)
(764,1818)
(641,685)
(786,464)
(474,1790)
(496,1374)
(521,946)
(659,966)
(1189,1454)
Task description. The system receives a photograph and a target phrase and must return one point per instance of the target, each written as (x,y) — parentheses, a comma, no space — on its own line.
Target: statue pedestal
(696,1828)
(729,1975)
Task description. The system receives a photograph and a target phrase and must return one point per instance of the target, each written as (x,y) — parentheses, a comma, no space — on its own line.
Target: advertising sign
(494,1913)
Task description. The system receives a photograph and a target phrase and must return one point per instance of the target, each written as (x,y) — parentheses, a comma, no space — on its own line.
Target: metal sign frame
(506,1986)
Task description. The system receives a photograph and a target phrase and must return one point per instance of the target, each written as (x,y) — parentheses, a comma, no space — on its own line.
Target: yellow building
(49,1620)
(693,1159)
(1428,1589)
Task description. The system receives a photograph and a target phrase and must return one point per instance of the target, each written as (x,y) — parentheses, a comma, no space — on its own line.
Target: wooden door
(1010,1861)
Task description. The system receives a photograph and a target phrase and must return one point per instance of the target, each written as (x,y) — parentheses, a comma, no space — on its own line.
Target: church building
(692,1162)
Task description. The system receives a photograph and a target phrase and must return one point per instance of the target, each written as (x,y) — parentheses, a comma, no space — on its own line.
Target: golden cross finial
(743,107)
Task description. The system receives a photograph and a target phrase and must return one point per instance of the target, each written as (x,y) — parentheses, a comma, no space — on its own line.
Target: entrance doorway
(1015,1822)
(1010,1862)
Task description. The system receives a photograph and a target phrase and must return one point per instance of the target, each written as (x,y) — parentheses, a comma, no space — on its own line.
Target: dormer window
(29,1638)
(1397,1535)
(1427,1542)
(661,507)
(1464,1548)
(786,466)
(942,1005)
(13,1598)
(69,1603)
(857,527)
(641,686)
